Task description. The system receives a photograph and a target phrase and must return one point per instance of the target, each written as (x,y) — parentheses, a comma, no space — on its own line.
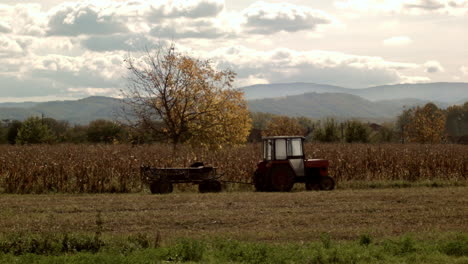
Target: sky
(56,50)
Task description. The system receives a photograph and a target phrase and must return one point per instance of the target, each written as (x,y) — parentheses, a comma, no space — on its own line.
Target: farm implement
(161,180)
(283,165)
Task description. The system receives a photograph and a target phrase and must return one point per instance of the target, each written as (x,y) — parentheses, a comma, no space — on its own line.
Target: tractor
(284,164)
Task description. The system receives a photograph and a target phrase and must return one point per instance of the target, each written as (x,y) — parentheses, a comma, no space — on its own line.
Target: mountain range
(292,99)
(437,92)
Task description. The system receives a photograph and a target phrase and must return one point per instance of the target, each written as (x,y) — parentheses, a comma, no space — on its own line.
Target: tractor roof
(282,137)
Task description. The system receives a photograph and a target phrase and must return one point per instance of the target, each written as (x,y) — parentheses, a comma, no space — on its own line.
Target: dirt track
(298,216)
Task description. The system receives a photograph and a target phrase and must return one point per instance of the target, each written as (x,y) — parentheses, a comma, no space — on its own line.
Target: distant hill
(319,105)
(439,92)
(260,91)
(311,104)
(18,105)
(80,111)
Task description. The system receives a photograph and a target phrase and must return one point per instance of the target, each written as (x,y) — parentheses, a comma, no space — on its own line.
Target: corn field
(115,168)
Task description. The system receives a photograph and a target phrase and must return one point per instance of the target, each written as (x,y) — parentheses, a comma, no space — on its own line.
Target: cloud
(183,28)
(194,9)
(397,41)
(286,65)
(64,75)
(428,5)
(268,18)
(22,19)
(9,47)
(168,18)
(173,9)
(433,67)
(82,92)
(125,42)
(409,7)
(4,27)
(464,70)
(73,19)
(16,86)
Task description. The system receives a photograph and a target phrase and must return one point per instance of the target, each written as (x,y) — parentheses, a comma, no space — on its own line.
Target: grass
(405,225)
(247,216)
(404,249)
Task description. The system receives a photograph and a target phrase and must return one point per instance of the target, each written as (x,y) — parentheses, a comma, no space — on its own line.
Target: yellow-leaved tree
(427,124)
(283,126)
(185,99)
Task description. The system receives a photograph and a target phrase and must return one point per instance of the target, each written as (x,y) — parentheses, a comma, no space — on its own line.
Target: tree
(283,126)
(12,131)
(34,131)
(58,128)
(386,133)
(104,131)
(77,134)
(260,120)
(356,132)
(3,132)
(457,121)
(427,125)
(189,96)
(327,131)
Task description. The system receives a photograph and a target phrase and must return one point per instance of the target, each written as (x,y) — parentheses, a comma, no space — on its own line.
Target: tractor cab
(286,149)
(284,164)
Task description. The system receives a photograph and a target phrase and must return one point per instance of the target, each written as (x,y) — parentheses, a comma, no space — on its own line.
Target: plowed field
(297,216)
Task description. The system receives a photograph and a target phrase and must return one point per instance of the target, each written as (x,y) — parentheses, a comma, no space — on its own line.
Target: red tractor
(284,164)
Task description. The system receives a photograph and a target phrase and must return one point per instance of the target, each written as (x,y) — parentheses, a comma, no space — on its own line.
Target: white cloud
(165,19)
(464,70)
(286,65)
(22,19)
(433,67)
(193,28)
(125,42)
(409,7)
(8,46)
(158,10)
(4,27)
(397,41)
(414,79)
(64,75)
(267,18)
(72,19)
(93,91)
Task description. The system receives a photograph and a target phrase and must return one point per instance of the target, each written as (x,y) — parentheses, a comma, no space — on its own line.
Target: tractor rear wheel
(327,183)
(209,186)
(281,178)
(161,187)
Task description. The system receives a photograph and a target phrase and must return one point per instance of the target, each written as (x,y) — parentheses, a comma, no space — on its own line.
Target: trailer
(161,180)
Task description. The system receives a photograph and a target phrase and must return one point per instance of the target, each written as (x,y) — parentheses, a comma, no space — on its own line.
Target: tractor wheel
(312,186)
(260,182)
(161,187)
(209,186)
(281,178)
(327,183)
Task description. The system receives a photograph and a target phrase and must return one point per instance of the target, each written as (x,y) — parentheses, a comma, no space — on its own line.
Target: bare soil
(297,216)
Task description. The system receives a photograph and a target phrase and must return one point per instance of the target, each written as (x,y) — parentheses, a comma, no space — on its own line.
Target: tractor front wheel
(327,183)
(260,182)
